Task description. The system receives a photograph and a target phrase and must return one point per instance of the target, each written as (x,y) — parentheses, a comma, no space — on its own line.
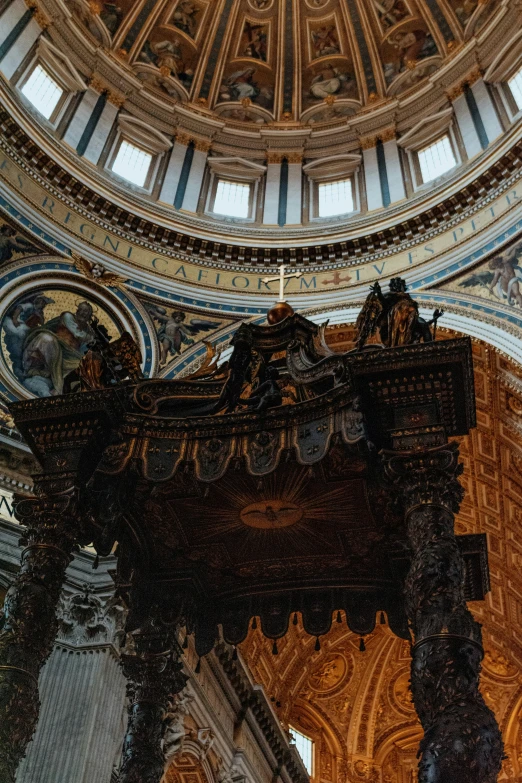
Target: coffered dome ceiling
(289,62)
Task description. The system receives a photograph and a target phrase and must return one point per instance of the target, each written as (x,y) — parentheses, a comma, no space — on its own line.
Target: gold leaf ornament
(97,273)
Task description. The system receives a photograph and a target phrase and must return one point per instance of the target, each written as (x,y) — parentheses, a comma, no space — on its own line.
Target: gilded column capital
(202,145)
(294,157)
(275,157)
(455,91)
(474,76)
(368,142)
(388,134)
(39,16)
(98,84)
(183,138)
(116,98)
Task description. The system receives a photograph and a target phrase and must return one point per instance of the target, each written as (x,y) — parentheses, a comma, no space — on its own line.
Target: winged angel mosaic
(176,331)
(14,245)
(500,277)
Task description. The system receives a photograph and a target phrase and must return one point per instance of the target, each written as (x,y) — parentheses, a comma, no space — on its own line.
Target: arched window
(305,748)
(515,87)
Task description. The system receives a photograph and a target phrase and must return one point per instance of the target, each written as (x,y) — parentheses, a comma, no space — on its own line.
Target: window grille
(305,748)
(515,85)
(335,198)
(132,163)
(436,159)
(43,92)
(232,199)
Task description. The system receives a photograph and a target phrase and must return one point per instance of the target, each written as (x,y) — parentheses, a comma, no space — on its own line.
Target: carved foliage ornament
(86,619)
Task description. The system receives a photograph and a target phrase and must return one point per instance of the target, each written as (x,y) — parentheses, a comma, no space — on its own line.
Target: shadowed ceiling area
(356,705)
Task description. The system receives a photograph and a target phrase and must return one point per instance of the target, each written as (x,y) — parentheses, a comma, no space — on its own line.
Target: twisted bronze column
(29,623)
(155,674)
(462,741)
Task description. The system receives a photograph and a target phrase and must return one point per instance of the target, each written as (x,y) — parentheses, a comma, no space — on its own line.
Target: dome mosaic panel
(288,62)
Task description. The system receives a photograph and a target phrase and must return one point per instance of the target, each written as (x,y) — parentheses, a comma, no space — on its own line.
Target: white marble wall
(372,179)
(80,730)
(394,171)
(271,206)
(487,110)
(294,204)
(80,118)
(195,180)
(21,47)
(173,173)
(467,127)
(83,712)
(101,133)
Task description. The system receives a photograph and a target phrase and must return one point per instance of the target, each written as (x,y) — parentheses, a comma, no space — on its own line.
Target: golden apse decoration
(356,706)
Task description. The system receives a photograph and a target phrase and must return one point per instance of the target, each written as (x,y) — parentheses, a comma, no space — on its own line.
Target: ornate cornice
(403,233)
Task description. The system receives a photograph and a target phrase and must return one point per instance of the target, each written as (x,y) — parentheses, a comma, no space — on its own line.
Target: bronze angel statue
(395,315)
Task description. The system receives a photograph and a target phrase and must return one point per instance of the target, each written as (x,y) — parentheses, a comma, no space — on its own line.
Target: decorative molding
(149,138)
(59,65)
(236,167)
(427,130)
(421,223)
(325,168)
(506,61)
